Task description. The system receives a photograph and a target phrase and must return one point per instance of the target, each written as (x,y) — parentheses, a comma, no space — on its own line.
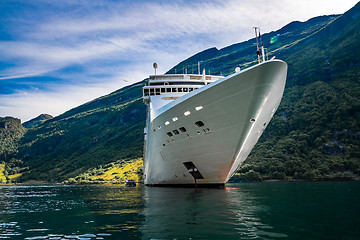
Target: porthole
(169,134)
(182,129)
(198,108)
(164,144)
(252,120)
(198,132)
(199,124)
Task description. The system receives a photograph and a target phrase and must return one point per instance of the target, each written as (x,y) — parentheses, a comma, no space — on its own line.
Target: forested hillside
(314,134)
(99,132)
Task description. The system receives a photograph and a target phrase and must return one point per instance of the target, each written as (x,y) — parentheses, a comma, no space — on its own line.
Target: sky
(58,54)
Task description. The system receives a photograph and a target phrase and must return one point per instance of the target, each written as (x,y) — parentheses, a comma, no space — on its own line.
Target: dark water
(329,210)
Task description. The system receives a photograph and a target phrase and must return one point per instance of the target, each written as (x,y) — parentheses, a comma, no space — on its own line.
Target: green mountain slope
(315,132)
(11,131)
(37,121)
(99,132)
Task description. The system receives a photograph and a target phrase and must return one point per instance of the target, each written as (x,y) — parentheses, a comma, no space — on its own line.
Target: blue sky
(59,54)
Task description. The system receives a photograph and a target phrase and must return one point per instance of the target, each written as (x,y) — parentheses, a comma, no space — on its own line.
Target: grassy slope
(2,175)
(112,173)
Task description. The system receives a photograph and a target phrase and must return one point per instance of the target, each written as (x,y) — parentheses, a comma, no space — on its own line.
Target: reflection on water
(69,212)
(203,214)
(242,211)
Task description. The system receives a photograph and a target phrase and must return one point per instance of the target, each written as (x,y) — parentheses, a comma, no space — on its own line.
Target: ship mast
(258,37)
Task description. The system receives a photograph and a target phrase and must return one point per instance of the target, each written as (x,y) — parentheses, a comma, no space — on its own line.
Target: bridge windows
(165,90)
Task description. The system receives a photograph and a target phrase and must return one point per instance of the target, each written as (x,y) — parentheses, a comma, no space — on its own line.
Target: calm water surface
(329,210)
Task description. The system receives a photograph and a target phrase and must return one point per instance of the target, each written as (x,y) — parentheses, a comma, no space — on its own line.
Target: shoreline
(231,182)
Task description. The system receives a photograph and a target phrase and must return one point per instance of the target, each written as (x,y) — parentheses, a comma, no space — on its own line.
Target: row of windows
(187,113)
(182,129)
(176,132)
(175,83)
(159,91)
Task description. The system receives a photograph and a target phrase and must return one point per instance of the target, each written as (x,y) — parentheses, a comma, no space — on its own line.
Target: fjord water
(325,210)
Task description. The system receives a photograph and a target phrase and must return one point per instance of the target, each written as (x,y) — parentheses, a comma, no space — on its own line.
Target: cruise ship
(200,128)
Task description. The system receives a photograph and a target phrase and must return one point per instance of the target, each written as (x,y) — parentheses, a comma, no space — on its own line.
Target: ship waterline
(204,135)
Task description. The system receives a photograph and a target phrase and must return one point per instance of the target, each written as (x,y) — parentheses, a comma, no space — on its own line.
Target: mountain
(314,134)
(99,132)
(11,131)
(37,121)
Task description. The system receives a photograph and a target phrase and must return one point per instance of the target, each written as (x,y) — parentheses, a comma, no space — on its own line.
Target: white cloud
(113,41)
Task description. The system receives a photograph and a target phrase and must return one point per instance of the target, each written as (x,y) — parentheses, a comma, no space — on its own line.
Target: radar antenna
(155,65)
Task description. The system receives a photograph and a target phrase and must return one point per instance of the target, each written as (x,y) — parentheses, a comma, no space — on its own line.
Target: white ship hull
(234,110)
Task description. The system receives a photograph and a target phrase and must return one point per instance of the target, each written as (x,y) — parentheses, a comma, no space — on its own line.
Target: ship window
(179,89)
(157,91)
(182,129)
(151,91)
(146,92)
(167,123)
(173,89)
(199,123)
(173,140)
(207,131)
(169,134)
(198,132)
(163,90)
(166,83)
(168,90)
(186,89)
(191,89)
(187,113)
(176,132)
(198,108)
(252,120)
(175,119)
(164,144)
